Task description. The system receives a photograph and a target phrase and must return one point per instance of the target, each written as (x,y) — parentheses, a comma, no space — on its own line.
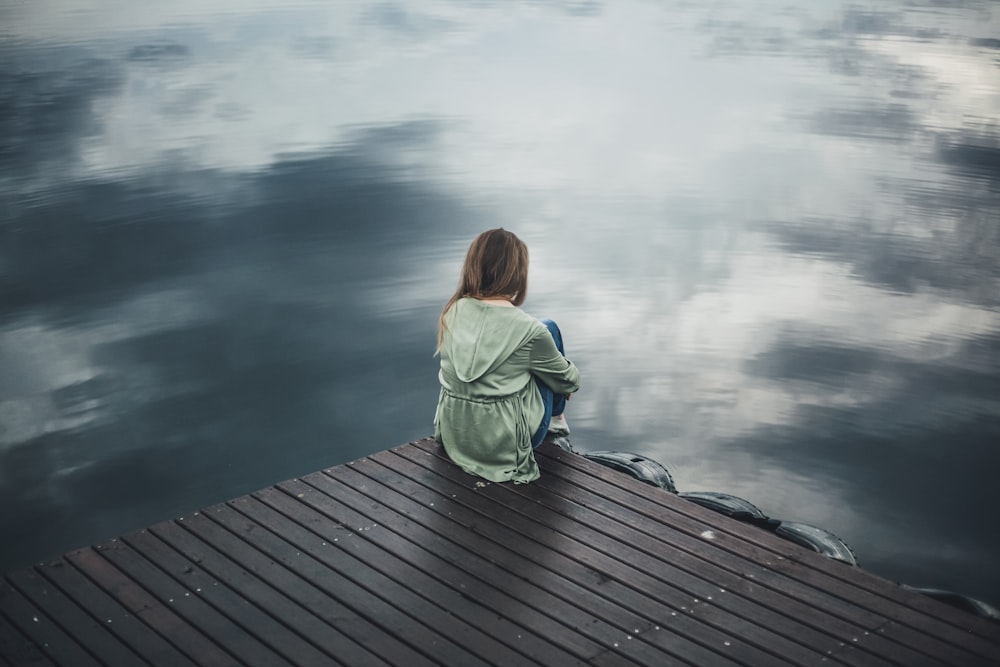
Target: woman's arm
(551,367)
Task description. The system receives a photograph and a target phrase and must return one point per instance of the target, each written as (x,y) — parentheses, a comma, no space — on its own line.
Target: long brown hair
(496,265)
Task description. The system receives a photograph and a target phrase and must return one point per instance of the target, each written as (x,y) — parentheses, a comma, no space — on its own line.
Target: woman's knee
(554,330)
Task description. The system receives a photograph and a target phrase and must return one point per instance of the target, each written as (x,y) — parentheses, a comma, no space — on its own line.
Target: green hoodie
(489,406)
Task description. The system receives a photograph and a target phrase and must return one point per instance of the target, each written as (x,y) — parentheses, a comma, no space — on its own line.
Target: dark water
(770,232)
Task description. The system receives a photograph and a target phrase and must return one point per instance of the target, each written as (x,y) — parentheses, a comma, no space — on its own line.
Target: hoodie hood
(480,336)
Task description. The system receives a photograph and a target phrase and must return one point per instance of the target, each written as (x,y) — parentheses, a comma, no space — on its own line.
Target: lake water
(770,232)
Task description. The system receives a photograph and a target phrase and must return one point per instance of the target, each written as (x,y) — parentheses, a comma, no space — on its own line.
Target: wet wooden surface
(401,558)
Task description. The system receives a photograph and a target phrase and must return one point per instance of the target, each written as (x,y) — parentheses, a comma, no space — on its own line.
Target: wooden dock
(401,558)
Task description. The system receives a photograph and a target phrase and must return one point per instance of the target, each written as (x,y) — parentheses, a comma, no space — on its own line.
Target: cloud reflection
(761,227)
(153,341)
(930,425)
(48,108)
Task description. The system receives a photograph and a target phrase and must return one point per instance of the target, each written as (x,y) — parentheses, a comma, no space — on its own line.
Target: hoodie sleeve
(551,367)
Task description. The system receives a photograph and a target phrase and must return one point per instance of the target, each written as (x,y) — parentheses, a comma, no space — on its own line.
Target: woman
(504,379)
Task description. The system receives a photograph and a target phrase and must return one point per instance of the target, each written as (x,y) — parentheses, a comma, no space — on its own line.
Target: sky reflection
(768,231)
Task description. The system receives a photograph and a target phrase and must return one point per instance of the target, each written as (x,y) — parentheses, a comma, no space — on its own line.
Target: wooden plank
(740,595)
(352,638)
(916,614)
(484,595)
(17,649)
(767,543)
(402,558)
(48,636)
(697,592)
(483,592)
(957,657)
(619,559)
(811,611)
(481,563)
(95,637)
(279,638)
(821,579)
(900,633)
(139,601)
(460,544)
(492,569)
(245,581)
(655,612)
(128,628)
(485,609)
(779,592)
(274,560)
(413,619)
(185,599)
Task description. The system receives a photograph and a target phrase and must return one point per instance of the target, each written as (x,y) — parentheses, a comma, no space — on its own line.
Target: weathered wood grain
(400,558)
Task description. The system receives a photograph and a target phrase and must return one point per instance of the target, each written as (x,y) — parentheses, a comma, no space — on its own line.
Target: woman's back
(485,351)
(499,366)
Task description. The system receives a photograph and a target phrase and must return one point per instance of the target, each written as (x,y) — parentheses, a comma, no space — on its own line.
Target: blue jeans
(554,403)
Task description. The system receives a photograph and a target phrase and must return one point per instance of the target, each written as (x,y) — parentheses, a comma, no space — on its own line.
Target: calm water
(769,230)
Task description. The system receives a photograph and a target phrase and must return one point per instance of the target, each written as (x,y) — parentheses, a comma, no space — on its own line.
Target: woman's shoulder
(511,315)
(533,325)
